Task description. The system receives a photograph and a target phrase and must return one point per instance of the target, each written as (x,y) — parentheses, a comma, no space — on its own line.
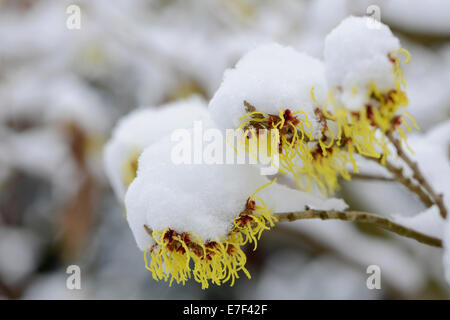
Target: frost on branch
(141,128)
(192,219)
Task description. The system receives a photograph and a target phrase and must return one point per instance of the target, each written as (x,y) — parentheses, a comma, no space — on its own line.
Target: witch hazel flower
(191,220)
(141,128)
(277,88)
(362,67)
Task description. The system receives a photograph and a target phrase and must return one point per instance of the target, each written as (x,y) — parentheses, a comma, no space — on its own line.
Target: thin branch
(148,230)
(417,174)
(362,217)
(362,176)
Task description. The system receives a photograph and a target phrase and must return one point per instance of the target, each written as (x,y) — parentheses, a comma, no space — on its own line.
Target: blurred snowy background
(62,90)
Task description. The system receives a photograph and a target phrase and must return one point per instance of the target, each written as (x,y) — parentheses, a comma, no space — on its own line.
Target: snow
(356,53)
(201,198)
(271,78)
(321,17)
(431,17)
(142,127)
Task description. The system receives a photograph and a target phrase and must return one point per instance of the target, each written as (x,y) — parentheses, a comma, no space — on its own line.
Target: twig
(417,174)
(362,217)
(363,176)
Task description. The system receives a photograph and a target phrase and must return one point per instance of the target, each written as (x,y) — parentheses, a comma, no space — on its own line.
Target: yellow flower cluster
(180,256)
(322,160)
